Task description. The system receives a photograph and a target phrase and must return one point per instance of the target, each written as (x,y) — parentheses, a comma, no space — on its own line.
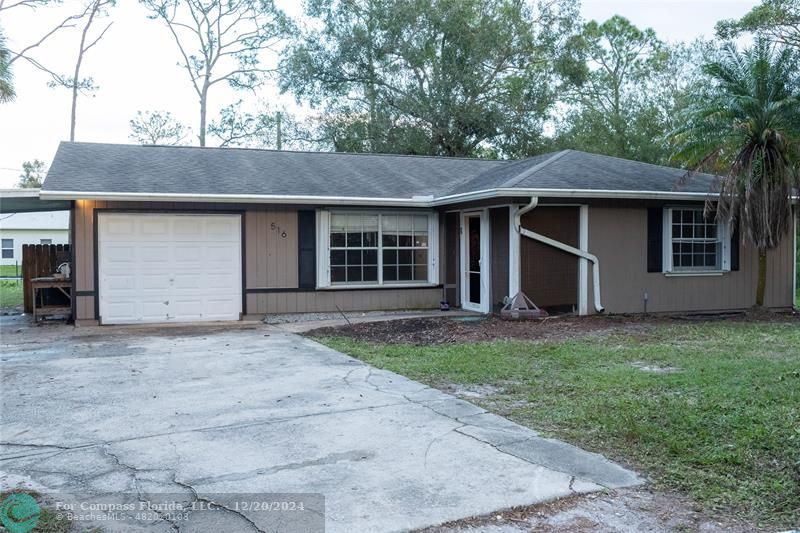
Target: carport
(39,261)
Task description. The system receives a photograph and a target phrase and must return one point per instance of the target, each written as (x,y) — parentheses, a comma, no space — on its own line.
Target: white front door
(169,267)
(475,261)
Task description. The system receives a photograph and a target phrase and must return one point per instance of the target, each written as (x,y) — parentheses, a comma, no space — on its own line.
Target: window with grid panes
(379,248)
(696,241)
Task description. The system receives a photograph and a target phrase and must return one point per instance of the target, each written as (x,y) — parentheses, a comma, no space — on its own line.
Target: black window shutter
(306,249)
(655,238)
(735,247)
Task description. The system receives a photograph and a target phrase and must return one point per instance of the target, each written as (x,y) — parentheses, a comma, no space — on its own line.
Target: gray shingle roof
(116,168)
(574,170)
(89,167)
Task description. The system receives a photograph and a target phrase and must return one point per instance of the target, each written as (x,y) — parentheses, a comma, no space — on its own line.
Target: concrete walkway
(208,413)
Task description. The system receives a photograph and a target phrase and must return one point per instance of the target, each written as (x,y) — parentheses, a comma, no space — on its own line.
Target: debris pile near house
(520,307)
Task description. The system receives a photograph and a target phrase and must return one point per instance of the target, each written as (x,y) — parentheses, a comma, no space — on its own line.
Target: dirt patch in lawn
(621,510)
(444,330)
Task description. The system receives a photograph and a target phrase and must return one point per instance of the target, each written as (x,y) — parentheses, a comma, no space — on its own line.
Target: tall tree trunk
(371,134)
(74,112)
(762,277)
(203,110)
(77,73)
(278,132)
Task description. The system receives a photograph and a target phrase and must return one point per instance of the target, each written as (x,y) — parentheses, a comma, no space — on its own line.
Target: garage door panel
(155,226)
(222,228)
(121,283)
(156,281)
(188,253)
(220,308)
(188,281)
(183,309)
(123,310)
(187,227)
(153,254)
(120,253)
(169,268)
(219,253)
(122,227)
(153,312)
(219,281)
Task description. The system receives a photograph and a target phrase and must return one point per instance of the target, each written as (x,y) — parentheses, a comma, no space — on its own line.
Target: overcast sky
(135,68)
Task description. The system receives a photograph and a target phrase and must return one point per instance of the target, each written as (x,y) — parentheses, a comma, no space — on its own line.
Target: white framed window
(376,248)
(354,248)
(7,248)
(693,243)
(45,241)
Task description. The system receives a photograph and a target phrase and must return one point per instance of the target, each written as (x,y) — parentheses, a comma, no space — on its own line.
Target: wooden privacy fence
(40,260)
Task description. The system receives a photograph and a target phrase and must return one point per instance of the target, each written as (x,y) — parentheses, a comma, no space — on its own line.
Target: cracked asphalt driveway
(204,411)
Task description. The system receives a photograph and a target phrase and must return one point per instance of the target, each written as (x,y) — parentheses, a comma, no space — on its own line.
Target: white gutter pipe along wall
(561,246)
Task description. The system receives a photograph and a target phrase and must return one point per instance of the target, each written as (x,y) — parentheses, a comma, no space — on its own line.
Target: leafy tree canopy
(444,77)
(33,173)
(221,41)
(7,92)
(157,127)
(778,20)
(630,90)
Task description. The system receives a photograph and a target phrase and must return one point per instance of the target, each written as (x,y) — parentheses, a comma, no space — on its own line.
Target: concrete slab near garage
(253,409)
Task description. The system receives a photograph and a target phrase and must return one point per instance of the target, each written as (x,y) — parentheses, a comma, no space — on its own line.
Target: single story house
(167,234)
(17,229)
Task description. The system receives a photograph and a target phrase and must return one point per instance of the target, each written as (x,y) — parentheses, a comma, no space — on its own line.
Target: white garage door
(169,268)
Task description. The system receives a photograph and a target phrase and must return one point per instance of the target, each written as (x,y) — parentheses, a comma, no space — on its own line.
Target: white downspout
(561,246)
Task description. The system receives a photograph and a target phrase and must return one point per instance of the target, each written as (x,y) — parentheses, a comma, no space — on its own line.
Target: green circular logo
(19,513)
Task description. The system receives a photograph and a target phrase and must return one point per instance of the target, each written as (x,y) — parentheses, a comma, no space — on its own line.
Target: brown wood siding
(451,238)
(618,237)
(498,221)
(84,307)
(271,248)
(550,276)
(347,300)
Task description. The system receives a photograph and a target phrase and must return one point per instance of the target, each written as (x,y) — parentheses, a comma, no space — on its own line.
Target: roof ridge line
(512,182)
(315,152)
(627,160)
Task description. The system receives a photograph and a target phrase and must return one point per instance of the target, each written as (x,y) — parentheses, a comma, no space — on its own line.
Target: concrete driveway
(209,413)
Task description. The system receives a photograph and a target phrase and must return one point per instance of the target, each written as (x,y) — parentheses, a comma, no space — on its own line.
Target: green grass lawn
(10,290)
(10,270)
(10,293)
(724,426)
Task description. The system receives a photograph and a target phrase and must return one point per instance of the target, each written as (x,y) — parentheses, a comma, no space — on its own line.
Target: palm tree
(6,78)
(746,128)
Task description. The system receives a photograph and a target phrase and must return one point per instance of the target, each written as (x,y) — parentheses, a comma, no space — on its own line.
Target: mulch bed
(444,330)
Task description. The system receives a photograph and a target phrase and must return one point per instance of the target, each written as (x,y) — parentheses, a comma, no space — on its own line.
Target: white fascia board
(569,193)
(238,198)
(419,201)
(19,193)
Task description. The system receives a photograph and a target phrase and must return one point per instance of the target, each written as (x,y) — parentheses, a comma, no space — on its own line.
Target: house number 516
(274,227)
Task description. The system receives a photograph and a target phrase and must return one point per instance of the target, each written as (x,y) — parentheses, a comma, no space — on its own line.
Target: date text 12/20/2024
(301,512)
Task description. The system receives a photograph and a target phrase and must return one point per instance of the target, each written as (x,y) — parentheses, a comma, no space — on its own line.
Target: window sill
(377,287)
(699,273)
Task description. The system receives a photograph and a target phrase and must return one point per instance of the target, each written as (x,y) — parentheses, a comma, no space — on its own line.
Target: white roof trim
(19,193)
(569,193)
(417,201)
